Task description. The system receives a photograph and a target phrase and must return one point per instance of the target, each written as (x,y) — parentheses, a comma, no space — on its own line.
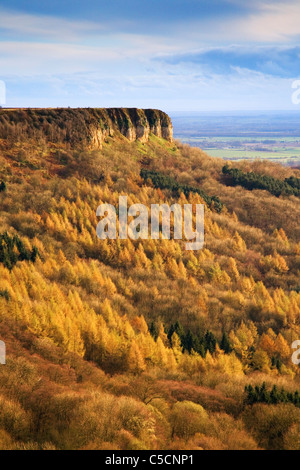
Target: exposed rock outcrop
(85,126)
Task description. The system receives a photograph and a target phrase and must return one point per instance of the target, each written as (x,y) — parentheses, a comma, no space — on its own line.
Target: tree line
(260,394)
(289,187)
(161,181)
(200,343)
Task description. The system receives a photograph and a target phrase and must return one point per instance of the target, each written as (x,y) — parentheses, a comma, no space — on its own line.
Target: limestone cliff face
(85,126)
(132,123)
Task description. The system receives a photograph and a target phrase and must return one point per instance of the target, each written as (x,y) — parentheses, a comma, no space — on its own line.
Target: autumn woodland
(191,349)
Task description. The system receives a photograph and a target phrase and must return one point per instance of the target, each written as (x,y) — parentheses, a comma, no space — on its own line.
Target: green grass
(237,139)
(280,156)
(281,150)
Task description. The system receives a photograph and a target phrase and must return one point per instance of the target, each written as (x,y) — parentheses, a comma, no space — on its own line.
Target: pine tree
(274,395)
(210,342)
(188,342)
(225,343)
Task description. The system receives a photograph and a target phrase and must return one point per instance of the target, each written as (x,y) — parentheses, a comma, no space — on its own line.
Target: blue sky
(176,55)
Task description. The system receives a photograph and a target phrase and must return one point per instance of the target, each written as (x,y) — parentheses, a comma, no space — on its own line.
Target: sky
(174,55)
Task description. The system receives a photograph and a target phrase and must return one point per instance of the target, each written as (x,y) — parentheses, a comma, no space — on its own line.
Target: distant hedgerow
(161,181)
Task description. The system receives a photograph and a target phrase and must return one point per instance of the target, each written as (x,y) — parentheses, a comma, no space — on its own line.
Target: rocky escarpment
(84,126)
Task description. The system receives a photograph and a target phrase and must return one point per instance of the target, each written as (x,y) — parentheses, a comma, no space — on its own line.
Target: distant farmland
(243,137)
(286,151)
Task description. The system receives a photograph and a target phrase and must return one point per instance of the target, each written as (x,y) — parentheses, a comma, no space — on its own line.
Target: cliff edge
(84,126)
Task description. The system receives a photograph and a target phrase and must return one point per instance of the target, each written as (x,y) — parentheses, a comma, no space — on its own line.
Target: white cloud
(271,23)
(48,59)
(47,27)
(267,22)
(21,58)
(35,57)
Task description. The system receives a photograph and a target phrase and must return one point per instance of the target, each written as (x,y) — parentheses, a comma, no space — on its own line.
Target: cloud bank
(172,54)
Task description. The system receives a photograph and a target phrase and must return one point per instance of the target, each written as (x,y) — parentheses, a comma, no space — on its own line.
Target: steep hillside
(186,347)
